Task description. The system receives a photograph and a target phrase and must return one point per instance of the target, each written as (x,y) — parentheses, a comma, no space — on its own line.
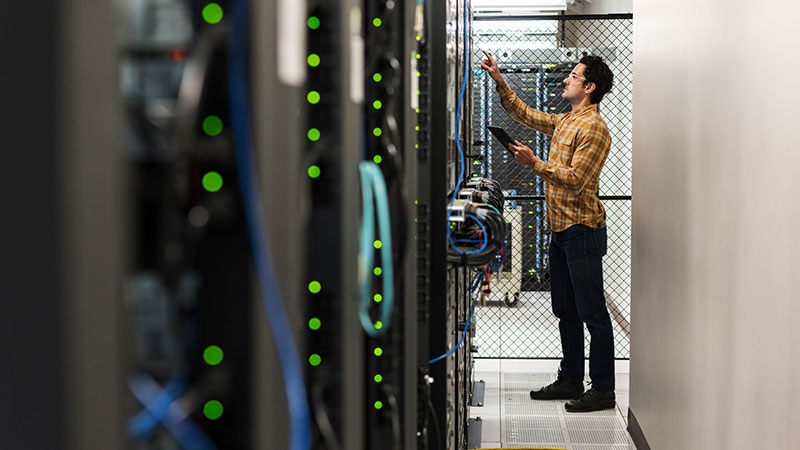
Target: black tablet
(503,137)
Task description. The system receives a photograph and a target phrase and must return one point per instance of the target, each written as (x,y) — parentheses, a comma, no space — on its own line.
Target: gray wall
(715,348)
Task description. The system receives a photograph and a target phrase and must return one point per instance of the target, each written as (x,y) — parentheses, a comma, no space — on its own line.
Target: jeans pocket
(598,241)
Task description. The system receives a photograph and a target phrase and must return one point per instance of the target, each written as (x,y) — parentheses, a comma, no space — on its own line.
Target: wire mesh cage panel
(535,54)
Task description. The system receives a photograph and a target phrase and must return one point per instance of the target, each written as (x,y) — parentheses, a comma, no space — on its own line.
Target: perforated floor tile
(528,423)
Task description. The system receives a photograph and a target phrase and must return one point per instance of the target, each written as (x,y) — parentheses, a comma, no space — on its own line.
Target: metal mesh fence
(535,54)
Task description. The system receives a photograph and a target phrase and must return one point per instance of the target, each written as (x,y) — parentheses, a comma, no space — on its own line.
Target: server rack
(189,290)
(391,354)
(445,384)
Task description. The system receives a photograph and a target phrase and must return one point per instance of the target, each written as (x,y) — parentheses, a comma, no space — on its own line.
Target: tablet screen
(503,137)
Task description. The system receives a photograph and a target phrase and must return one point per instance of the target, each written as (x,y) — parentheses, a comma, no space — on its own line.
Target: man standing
(579,148)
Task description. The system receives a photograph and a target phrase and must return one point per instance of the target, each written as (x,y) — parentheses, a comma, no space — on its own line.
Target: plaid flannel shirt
(578,151)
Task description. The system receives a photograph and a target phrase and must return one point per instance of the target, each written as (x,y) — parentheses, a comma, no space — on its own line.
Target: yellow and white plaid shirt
(578,151)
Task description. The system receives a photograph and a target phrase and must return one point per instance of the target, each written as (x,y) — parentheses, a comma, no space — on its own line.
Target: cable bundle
(478,228)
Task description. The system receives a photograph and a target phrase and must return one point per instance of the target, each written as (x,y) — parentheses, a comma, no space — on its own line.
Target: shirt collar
(588,109)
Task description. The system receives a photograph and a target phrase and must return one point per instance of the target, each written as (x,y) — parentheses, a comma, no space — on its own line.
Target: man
(578,151)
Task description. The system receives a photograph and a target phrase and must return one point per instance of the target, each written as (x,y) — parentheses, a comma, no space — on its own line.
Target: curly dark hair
(597,72)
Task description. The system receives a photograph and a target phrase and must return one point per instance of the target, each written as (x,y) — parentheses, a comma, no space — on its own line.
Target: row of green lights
(315,287)
(378,378)
(213,409)
(314,171)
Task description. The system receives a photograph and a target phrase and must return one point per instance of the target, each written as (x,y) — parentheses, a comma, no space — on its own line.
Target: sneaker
(561,389)
(592,400)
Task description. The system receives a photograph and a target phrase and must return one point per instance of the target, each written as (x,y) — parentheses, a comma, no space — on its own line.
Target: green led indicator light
(416,145)
(419,38)
(417,110)
(378,378)
(530,245)
(377,244)
(418,92)
(377,104)
(377,132)
(315,360)
(212,181)
(420,74)
(530,227)
(313,60)
(212,410)
(212,125)
(377,78)
(531,184)
(378,298)
(378,404)
(377,22)
(377,159)
(313,22)
(416,128)
(377,271)
(418,56)
(378,351)
(313,97)
(530,212)
(378,325)
(314,287)
(314,172)
(213,355)
(314,324)
(212,13)
(314,135)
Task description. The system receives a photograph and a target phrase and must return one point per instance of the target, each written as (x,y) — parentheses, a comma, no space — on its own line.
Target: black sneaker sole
(536,395)
(599,407)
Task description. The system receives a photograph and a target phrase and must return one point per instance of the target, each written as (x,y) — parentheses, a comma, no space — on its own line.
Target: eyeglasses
(574,76)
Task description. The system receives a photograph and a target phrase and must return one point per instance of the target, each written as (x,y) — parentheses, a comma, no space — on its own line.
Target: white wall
(607,6)
(716,254)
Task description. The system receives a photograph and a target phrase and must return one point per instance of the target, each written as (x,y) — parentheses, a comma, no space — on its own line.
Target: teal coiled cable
(375,199)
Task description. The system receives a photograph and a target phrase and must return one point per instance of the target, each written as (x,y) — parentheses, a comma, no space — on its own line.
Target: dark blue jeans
(576,279)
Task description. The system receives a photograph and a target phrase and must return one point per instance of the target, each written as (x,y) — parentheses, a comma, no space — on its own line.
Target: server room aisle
(509,418)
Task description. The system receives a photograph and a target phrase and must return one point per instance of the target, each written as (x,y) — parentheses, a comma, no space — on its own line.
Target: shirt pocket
(563,145)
